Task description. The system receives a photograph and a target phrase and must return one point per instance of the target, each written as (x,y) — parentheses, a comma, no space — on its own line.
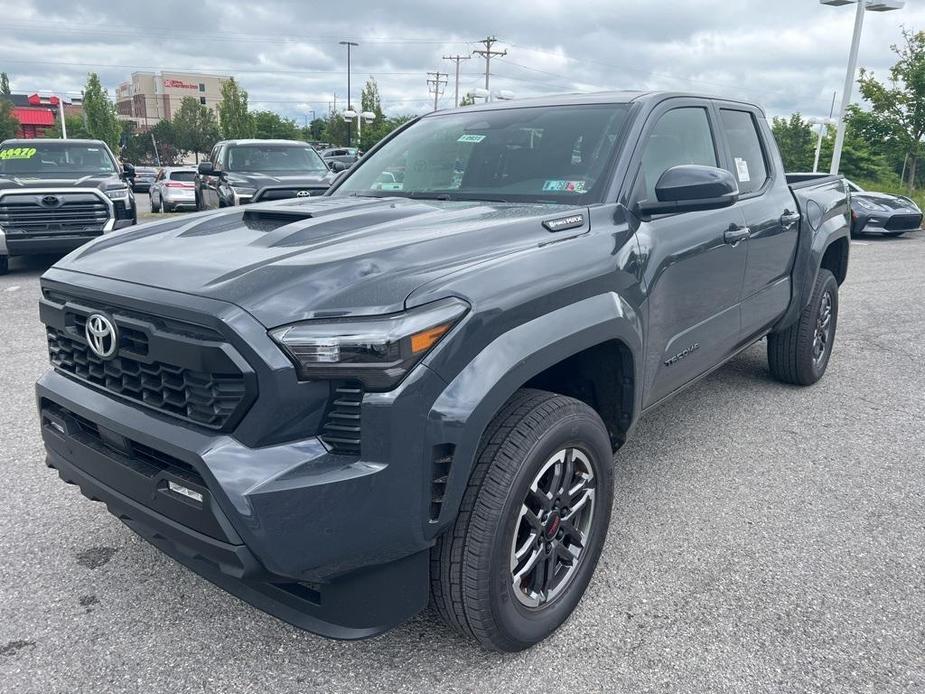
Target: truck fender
(467,405)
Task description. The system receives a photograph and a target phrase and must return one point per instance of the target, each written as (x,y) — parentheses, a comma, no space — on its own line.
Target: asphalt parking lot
(765,538)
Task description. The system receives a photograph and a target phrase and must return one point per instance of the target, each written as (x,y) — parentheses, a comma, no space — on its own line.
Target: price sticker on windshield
(471,138)
(18,153)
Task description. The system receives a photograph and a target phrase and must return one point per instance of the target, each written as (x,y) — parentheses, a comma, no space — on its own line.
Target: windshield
(274,158)
(55,158)
(550,154)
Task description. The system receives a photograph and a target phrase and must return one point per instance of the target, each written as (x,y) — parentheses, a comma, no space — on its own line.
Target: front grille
(202,398)
(341,429)
(73,212)
(903,221)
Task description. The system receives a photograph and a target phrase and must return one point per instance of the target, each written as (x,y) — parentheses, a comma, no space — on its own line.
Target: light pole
(863,5)
(348,44)
(365,117)
(823,124)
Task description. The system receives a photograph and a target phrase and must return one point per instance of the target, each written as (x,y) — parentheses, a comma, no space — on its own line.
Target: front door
(694,268)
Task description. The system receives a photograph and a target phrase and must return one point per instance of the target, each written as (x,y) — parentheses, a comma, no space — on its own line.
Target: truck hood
(9,182)
(308,258)
(259,180)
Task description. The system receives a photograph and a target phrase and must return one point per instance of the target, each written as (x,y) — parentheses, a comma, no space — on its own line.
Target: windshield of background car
(274,158)
(55,158)
(555,154)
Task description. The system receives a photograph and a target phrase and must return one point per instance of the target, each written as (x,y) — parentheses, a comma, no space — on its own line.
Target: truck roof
(259,141)
(612,97)
(29,141)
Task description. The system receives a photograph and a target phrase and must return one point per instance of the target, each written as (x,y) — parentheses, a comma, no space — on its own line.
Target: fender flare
(463,411)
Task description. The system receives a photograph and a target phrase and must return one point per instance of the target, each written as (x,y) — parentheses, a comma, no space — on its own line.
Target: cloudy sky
(788,55)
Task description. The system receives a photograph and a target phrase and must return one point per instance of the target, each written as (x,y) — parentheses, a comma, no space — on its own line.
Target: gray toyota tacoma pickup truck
(341,408)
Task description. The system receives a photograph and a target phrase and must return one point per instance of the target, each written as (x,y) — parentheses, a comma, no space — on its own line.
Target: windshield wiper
(429,196)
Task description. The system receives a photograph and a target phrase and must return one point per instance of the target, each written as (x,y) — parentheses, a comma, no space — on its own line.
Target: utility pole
(488,54)
(436,81)
(348,44)
(456,59)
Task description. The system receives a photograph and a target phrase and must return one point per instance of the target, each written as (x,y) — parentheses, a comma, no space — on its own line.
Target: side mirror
(338,166)
(206,168)
(128,170)
(689,188)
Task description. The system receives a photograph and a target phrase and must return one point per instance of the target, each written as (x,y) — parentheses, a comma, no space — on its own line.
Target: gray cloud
(788,55)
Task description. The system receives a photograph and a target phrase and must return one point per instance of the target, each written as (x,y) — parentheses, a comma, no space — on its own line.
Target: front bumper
(299,533)
(883,223)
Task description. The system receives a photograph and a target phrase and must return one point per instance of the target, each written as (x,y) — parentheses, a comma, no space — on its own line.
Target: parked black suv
(238,172)
(342,407)
(56,195)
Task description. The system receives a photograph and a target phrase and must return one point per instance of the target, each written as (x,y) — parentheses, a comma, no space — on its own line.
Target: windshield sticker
(560,186)
(18,153)
(742,170)
(471,138)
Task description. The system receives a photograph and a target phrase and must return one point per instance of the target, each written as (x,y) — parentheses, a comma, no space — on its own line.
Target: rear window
(182,175)
(748,162)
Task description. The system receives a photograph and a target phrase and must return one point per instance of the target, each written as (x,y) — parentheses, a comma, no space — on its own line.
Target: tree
(901,105)
(4,85)
(9,124)
(380,127)
(861,159)
(315,130)
(233,116)
(796,141)
(165,137)
(467,100)
(269,125)
(194,127)
(76,128)
(100,113)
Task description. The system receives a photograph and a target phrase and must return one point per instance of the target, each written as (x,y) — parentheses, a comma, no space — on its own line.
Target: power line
(436,84)
(488,54)
(456,59)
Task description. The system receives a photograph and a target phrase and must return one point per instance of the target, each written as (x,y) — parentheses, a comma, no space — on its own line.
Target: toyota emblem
(101,336)
(302,194)
(50,201)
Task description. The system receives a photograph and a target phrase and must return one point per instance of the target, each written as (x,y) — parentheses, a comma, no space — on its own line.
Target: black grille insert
(202,398)
(903,221)
(341,430)
(440,475)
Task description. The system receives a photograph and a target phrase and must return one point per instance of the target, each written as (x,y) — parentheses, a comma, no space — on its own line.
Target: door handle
(734,234)
(788,219)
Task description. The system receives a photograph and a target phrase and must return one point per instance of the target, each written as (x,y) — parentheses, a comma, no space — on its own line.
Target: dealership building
(150,97)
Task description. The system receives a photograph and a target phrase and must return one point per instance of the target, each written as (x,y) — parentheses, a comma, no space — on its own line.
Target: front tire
(4,264)
(155,207)
(531,526)
(800,354)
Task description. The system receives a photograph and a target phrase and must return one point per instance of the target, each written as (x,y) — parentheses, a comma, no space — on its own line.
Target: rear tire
(800,354)
(4,264)
(155,207)
(542,482)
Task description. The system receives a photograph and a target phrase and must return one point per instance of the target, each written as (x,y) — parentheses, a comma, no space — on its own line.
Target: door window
(681,136)
(748,162)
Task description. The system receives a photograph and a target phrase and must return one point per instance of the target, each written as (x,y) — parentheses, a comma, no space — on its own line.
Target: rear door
(770,214)
(693,275)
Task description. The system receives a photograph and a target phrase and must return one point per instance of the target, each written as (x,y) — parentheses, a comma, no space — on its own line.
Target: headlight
(117,192)
(869,206)
(377,351)
(243,191)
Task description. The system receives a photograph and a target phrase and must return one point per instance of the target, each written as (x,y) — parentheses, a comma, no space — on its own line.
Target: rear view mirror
(691,187)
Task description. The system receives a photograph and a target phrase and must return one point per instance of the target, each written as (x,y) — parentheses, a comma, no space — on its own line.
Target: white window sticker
(471,138)
(742,169)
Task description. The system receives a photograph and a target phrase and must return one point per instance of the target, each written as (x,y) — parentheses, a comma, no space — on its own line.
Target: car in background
(55,195)
(143,179)
(882,213)
(173,188)
(238,172)
(347,156)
